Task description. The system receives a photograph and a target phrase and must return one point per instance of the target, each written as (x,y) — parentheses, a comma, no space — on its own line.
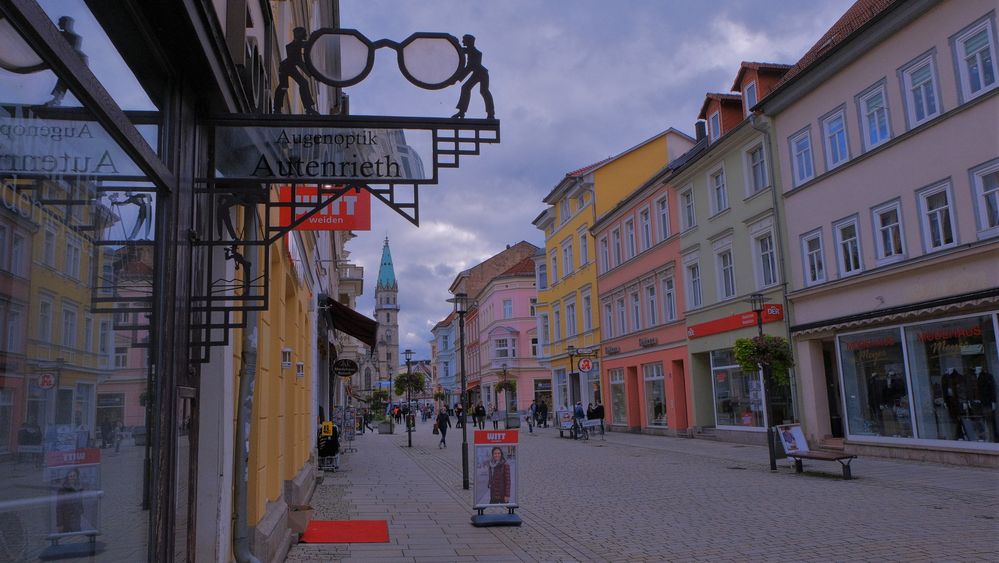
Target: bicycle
(579,432)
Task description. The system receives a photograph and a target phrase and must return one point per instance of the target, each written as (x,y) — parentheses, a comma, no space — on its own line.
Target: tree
(507,385)
(408,383)
(379,398)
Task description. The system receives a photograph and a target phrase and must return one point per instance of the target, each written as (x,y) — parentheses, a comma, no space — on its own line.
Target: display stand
(497,476)
(74,476)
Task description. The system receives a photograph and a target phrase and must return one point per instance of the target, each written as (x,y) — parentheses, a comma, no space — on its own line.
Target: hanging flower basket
(772,353)
(508,385)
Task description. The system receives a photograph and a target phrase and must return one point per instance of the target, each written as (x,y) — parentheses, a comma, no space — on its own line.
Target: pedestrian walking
(118,435)
(598,413)
(494,416)
(480,416)
(458,412)
(543,414)
(443,423)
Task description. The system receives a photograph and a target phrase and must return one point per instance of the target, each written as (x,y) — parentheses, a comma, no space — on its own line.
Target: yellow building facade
(568,312)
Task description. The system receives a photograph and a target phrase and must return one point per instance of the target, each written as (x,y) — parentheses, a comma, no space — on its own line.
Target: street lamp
(461,305)
(410,418)
(758,302)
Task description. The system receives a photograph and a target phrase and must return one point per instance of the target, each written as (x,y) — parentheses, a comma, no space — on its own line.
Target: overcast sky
(574,82)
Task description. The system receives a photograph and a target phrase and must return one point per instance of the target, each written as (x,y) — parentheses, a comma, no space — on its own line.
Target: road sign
(585,364)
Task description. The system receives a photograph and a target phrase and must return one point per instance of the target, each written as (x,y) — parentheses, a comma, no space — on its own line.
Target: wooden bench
(796,448)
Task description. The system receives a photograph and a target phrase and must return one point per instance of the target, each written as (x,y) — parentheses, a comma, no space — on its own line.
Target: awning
(349,321)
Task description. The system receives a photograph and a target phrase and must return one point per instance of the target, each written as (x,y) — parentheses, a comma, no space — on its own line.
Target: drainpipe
(763,128)
(244,414)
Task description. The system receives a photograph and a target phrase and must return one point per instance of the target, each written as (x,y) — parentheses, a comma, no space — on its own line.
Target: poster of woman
(495,470)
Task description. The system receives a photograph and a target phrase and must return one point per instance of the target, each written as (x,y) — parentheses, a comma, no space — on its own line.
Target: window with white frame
(726,274)
(801,157)
(714,126)
(567,262)
(662,217)
(88,334)
(73,256)
(554,261)
(608,320)
(534,306)
(749,97)
(604,255)
(616,243)
(444,343)
(872,106)
(69,315)
(814,259)
(834,139)
(636,312)
(3,248)
(584,248)
(542,276)
(719,194)
(985,182)
(693,285)
(975,53)
(45,320)
(48,247)
(534,347)
(18,247)
(629,237)
(888,239)
(14,328)
(563,211)
(103,338)
(544,326)
(587,313)
(669,299)
(508,308)
(920,92)
(848,247)
(766,259)
(756,168)
(688,217)
(121,357)
(556,323)
(622,324)
(505,347)
(651,306)
(645,224)
(937,217)
(570,319)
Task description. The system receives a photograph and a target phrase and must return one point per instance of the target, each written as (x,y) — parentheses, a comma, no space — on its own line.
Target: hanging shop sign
(771,313)
(496,468)
(349,212)
(585,365)
(344,367)
(46,381)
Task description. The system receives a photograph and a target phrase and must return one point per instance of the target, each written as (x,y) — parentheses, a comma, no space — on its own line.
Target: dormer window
(749,97)
(714,127)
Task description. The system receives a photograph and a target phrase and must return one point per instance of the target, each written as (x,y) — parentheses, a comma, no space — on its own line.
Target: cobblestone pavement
(644,498)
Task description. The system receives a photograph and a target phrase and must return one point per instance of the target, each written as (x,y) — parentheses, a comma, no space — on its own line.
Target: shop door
(832,389)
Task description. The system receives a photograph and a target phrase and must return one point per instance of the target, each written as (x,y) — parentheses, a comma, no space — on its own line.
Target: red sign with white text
(82,456)
(349,212)
(771,312)
(484,437)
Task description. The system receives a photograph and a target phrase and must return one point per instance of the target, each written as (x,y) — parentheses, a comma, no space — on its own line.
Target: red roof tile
(582,171)
(856,17)
(523,268)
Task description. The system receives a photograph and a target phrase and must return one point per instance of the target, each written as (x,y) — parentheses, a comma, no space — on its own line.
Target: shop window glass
(874,383)
(738,395)
(655,394)
(619,401)
(953,365)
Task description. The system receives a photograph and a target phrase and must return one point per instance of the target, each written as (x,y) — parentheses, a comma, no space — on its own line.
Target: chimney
(701,131)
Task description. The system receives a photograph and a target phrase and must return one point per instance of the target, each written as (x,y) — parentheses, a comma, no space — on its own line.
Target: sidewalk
(643,498)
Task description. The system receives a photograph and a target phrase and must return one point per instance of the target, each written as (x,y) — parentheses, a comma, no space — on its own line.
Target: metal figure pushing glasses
(477,74)
(291,68)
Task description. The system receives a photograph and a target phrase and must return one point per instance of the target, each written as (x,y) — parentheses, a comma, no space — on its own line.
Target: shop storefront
(647,390)
(927,382)
(543,392)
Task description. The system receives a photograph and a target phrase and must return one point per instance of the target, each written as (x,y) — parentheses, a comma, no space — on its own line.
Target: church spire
(386,272)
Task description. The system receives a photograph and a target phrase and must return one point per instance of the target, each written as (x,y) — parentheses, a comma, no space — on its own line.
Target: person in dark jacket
(443,423)
(480,415)
(499,478)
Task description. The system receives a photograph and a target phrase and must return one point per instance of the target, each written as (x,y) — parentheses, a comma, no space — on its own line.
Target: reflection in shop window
(953,365)
(619,409)
(874,383)
(738,394)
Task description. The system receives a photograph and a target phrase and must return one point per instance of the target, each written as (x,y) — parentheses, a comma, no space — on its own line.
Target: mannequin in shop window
(982,394)
(954,395)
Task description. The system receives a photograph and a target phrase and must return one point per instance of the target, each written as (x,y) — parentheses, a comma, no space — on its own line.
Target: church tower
(387,315)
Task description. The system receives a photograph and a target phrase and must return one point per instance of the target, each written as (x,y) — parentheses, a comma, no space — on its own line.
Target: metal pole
(771,438)
(464,404)
(409,403)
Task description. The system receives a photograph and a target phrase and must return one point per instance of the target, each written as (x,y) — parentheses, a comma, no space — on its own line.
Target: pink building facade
(888,144)
(643,341)
(508,339)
